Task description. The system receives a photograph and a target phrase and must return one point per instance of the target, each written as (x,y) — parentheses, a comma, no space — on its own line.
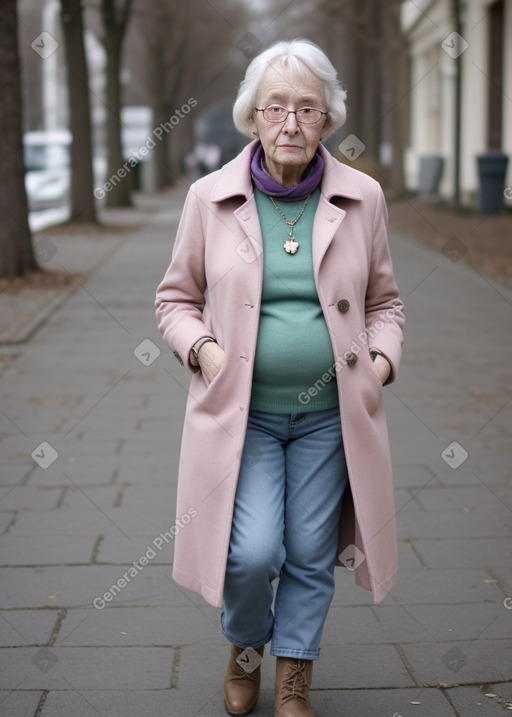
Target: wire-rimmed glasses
(304,115)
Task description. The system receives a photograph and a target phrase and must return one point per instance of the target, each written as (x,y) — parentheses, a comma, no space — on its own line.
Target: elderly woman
(281,302)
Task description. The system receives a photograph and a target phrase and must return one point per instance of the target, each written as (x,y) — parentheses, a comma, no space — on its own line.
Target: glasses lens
(308,115)
(274,113)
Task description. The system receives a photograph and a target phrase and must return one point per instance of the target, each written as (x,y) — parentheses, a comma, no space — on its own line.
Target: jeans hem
(295,654)
(242,645)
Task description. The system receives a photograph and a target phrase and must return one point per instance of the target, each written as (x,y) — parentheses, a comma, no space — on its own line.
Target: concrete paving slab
(407,558)
(405,499)
(83,668)
(458,663)
(123,549)
(91,497)
(447,586)
(483,522)
(19,702)
(361,666)
(46,549)
(78,586)
(76,471)
(463,621)
(141,626)
(489,553)
(412,475)
(463,497)
(395,703)
(131,703)
(347,593)
(505,580)
(27,627)
(14,472)
(162,493)
(21,497)
(7,517)
(381,624)
(92,523)
(473,701)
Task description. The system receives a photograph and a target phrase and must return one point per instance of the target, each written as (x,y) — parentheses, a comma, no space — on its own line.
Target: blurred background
(109,97)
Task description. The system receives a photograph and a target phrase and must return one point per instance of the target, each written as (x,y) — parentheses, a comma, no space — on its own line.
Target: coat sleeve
(383,307)
(180,296)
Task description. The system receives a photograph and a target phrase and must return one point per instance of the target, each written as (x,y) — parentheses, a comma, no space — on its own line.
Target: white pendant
(291,245)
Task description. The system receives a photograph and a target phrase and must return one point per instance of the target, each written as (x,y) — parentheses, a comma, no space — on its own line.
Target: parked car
(48,173)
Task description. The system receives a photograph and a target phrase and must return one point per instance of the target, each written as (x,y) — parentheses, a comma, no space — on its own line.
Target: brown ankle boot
(242,680)
(293,680)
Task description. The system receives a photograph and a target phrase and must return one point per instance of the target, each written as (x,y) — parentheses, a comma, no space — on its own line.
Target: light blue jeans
(285,524)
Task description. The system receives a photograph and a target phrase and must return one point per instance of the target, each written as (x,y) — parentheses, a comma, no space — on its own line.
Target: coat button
(343,305)
(350,358)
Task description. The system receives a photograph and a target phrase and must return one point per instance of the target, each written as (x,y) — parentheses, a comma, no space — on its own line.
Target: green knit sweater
(294,350)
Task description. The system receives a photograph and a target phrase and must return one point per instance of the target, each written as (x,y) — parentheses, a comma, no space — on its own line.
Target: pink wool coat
(213,288)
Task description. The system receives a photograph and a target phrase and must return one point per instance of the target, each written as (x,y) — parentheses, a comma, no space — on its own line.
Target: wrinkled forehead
(285,84)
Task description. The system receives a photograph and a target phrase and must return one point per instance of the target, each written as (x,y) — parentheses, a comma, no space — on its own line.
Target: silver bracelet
(197,346)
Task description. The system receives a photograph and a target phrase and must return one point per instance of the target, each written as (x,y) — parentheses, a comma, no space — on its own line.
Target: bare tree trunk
(168,76)
(83,207)
(376,77)
(370,78)
(114,33)
(160,116)
(16,253)
(395,57)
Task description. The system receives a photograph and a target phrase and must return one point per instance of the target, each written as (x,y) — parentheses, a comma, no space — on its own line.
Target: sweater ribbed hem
(315,403)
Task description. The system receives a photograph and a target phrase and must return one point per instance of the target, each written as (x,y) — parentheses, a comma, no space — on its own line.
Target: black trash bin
(492,168)
(431,171)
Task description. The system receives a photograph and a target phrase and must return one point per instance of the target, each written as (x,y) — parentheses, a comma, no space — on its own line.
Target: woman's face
(289,146)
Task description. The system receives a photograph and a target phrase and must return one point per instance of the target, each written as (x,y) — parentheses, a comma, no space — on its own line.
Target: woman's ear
(252,124)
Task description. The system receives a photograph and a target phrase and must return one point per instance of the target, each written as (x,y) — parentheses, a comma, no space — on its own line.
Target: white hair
(295,55)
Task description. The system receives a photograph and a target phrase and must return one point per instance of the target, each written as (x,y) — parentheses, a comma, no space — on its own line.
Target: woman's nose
(291,124)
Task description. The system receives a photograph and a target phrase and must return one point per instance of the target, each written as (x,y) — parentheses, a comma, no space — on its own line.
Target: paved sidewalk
(90,425)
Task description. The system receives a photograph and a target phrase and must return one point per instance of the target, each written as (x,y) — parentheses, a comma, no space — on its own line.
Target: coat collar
(234,178)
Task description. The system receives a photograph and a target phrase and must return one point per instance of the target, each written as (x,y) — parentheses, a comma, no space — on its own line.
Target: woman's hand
(383,367)
(210,359)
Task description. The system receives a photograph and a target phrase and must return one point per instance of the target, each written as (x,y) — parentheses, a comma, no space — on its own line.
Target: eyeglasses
(304,115)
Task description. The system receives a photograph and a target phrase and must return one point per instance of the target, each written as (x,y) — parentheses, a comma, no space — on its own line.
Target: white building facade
(484,49)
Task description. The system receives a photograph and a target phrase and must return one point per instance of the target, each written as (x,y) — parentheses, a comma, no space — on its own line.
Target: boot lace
(295,685)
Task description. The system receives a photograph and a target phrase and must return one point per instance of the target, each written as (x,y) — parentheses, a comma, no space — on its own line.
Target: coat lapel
(247,217)
(327,221)
(337,181)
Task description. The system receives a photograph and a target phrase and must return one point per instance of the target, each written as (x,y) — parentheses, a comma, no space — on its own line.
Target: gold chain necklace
(291,245)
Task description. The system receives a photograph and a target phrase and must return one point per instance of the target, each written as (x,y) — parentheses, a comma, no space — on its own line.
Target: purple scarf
(265,183)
